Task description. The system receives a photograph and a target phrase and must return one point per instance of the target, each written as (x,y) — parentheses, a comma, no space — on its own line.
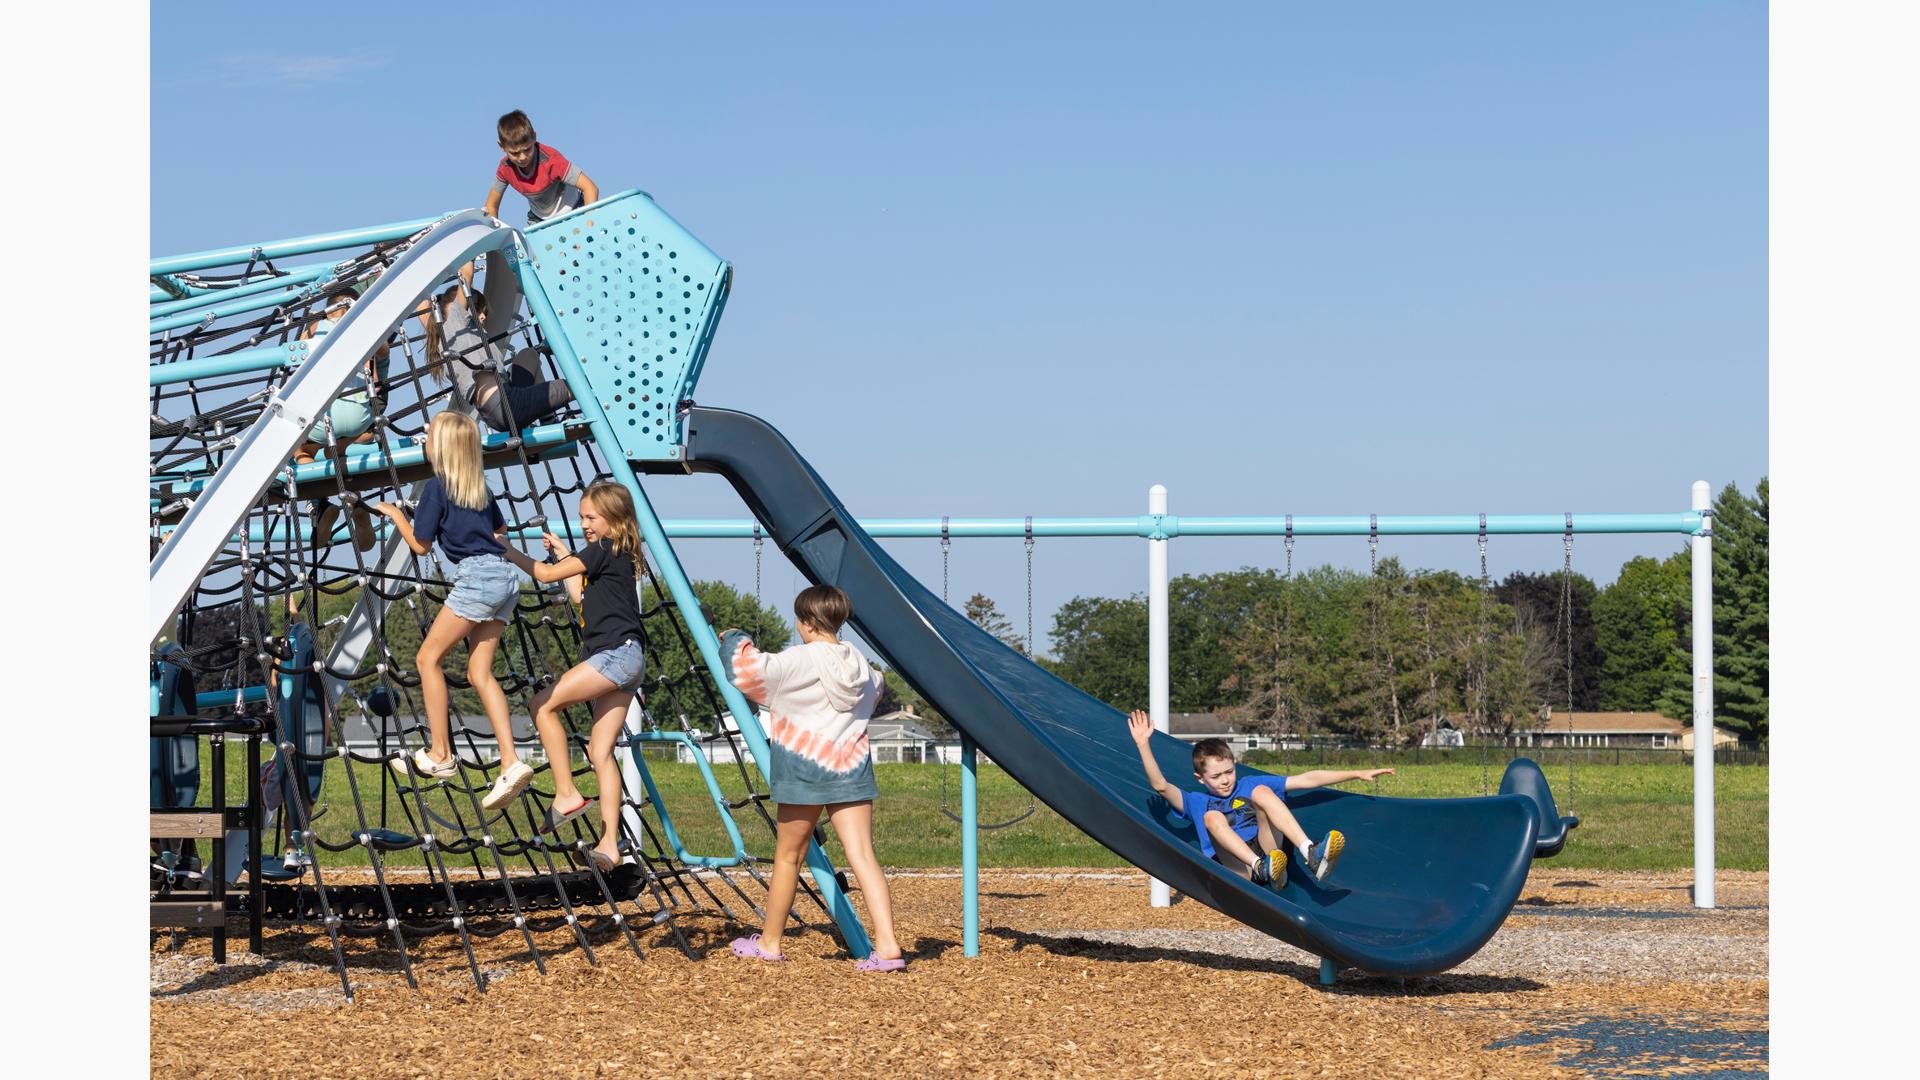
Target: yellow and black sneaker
(1321,857)
(1275,864)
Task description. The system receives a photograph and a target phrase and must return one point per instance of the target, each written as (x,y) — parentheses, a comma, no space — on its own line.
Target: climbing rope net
(309,617)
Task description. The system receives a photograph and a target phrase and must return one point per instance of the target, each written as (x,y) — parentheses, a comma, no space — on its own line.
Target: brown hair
(1210,750)
(823,607)
(615,504)
(515,128)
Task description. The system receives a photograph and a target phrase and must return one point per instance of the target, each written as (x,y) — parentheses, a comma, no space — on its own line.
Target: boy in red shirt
(551,183)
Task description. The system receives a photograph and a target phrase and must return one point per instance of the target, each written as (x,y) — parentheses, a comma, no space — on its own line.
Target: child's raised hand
(388,509)
(1140,726)
(1374,774)
(555,546)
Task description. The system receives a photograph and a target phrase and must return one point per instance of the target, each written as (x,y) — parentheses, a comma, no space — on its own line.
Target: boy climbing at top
(552,184)
(1231,811)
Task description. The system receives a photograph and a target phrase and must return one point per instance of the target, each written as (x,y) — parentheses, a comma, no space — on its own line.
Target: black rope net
(307,566)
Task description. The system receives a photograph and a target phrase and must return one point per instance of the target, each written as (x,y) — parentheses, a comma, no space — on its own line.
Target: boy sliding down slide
(1230,812)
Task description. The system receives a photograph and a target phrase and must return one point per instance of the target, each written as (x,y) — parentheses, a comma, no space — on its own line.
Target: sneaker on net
(424,765)
(1322,856)
(512,781)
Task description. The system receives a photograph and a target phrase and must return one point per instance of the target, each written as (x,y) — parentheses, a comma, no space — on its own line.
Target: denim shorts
(485,587)
(624,665)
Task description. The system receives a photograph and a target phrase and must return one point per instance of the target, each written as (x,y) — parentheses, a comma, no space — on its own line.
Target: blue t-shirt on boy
(1238,807)
(461,532)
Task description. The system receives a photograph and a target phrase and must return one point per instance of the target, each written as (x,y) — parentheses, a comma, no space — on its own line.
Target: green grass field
(1633,817)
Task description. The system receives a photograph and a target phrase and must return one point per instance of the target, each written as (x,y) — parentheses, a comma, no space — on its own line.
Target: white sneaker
(512,781)
(426,766)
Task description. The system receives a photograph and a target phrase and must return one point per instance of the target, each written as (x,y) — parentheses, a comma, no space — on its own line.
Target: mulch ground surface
(1595,974)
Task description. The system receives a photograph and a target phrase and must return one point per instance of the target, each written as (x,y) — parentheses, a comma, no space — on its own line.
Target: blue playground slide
(1423,884)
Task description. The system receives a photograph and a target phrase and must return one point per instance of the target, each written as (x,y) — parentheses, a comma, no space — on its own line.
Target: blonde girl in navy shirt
(458,512)
(602,577)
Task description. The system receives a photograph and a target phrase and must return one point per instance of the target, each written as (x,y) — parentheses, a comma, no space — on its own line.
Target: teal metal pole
(1167,526)
(298,275)
(677,584)
(261,358)
(241,306)
(969,847)
(280,249)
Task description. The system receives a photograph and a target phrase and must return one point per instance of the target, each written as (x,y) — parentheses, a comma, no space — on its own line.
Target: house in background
(898,738)
(1632,730)
(1193,727)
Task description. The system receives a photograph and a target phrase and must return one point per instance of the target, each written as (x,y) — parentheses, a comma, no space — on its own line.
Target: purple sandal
(874,963)
(748,948)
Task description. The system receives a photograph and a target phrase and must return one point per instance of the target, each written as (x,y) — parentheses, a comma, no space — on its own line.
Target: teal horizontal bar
(363,458)
(280,249)
(1172,525)
(1684,523)
(261,358)
(227,302)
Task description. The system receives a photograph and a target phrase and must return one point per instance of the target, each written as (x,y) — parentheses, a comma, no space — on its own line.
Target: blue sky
(1000,260)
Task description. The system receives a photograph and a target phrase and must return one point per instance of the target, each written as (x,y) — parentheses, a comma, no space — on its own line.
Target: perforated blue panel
(639,298)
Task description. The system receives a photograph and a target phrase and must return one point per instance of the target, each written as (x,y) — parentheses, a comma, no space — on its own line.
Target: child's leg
(609,720)
(580,683)
(447,629)
(482,643)
(793,827)
(853,823)
(1271,809)
(1227,841)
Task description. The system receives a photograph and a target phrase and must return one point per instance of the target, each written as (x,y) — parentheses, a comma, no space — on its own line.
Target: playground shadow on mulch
(1349,982)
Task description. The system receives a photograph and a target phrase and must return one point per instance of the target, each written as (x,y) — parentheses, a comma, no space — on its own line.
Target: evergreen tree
(1740,632)
(984,614)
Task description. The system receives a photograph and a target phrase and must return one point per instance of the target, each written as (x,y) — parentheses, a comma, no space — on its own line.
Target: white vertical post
(1703,700)
(1158,687)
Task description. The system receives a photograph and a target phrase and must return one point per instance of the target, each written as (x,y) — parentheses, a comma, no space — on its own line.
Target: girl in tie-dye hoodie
(818,696)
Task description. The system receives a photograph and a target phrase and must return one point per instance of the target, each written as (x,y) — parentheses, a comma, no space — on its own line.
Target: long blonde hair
(615,504)
(453,445)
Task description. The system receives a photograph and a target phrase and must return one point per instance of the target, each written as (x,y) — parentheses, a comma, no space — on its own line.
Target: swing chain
(1029,641)
(946,548)
(758,542)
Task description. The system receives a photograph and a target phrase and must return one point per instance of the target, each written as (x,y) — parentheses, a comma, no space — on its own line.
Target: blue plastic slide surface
(1423,884)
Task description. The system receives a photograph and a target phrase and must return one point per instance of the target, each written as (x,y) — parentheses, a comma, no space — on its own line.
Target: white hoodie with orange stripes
(819,698)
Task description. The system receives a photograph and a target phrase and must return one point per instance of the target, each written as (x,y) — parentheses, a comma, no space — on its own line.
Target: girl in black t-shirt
(602,578)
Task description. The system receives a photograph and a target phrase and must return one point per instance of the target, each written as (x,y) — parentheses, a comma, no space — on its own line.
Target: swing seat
(1523,777)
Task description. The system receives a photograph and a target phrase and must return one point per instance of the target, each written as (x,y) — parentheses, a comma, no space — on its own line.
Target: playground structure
(622,303)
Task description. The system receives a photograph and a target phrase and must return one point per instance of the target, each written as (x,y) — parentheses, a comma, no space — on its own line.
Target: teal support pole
(970,846)
(280,249)
(299,275)
(678,586)
(265,298)
(258,358)
(1327,971)
(713,790)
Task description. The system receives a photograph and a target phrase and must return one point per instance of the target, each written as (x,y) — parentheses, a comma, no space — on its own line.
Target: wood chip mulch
(1595,974)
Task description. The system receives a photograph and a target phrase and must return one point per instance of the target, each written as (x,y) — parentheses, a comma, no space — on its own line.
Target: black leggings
(529,405)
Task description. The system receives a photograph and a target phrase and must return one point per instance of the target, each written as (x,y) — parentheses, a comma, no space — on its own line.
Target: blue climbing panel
(639,298)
